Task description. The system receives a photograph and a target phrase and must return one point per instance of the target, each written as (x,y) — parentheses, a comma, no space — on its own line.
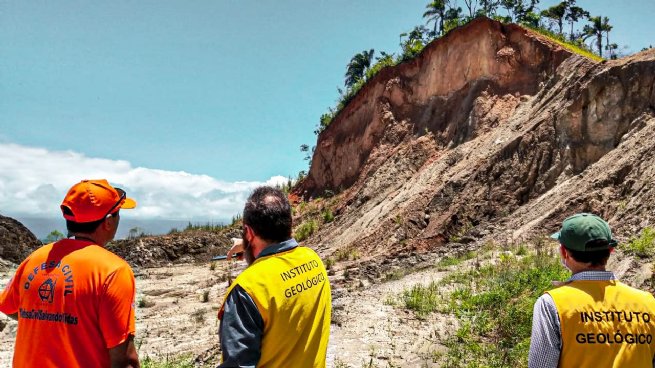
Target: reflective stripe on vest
(292,293)
(605,324)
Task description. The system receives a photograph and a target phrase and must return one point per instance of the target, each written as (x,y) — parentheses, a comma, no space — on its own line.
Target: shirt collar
(593,276)
(278,248)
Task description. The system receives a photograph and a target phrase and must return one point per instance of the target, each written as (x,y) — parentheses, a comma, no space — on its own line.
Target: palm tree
(610,47)
(357,67)
(435,13)
(452,18)
(599,25)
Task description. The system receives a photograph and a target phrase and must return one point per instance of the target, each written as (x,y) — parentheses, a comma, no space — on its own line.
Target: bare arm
(124,355)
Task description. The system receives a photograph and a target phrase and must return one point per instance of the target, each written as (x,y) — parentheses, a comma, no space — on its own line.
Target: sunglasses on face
(122,196)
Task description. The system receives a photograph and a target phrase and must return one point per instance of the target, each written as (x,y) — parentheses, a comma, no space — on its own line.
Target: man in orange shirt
(73,299)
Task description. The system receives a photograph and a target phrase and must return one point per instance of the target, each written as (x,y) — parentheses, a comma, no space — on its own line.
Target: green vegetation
(328,216)
(182,361)
(577,47)
(396,274)
(205,296)
(208,226)
(328,263)
(313,213)
(305,230)
(53,237)
(136,232)
(347,254)
(423,299)
(144,302)
(493,306)
(642,246)
(454,260)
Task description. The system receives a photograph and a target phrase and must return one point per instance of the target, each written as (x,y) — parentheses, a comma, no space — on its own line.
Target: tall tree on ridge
(357,67)
(598,26)
(574,14)
(518,9)
(488,7)
(435,13)
(471,5)
(556,13)
(609,47)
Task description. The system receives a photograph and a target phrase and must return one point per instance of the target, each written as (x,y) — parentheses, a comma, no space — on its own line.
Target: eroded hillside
(492,133)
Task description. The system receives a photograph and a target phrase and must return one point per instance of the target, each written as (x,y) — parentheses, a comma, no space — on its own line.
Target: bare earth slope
(493,132)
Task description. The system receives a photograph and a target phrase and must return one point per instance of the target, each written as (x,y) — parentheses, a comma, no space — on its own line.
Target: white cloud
(33,181)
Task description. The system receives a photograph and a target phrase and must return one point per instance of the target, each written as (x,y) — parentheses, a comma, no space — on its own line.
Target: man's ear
(106,225)
(248,233)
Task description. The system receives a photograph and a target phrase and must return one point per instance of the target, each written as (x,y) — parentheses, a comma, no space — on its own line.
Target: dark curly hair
(268,213)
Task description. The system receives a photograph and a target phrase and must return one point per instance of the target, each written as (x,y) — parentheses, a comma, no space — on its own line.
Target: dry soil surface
(177,306)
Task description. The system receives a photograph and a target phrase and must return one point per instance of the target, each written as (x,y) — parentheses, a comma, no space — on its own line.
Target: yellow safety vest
(605,324)
(292,293)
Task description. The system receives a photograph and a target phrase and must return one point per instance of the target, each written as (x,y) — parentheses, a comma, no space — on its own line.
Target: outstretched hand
(237,248)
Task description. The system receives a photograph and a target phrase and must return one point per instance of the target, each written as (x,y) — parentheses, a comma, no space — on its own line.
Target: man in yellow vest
(277,312)
(592,320)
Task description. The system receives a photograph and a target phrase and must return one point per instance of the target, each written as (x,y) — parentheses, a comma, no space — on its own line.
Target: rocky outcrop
(16,241)
(492,133)
(184,247)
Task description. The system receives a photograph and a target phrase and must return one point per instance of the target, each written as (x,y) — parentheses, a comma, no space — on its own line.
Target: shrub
(305,230)
(205,296)
(198,315)
(347,254)
(328,216)
(144,302)
(644,245)
(329,262)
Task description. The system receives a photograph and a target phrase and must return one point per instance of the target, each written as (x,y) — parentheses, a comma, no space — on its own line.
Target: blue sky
(191,103)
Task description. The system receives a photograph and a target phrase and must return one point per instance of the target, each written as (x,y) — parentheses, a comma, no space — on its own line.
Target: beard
(248,255)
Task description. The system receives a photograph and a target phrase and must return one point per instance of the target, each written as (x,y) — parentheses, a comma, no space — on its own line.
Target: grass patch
(559,39)
(346,254)
(423,299)
(182,361)
(494,307)
(396,274)
(454,260)
(644,245)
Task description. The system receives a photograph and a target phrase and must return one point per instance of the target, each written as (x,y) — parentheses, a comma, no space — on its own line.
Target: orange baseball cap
(93,200)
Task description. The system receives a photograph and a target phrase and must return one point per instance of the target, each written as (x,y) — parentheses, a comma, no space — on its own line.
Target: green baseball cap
(579,230)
